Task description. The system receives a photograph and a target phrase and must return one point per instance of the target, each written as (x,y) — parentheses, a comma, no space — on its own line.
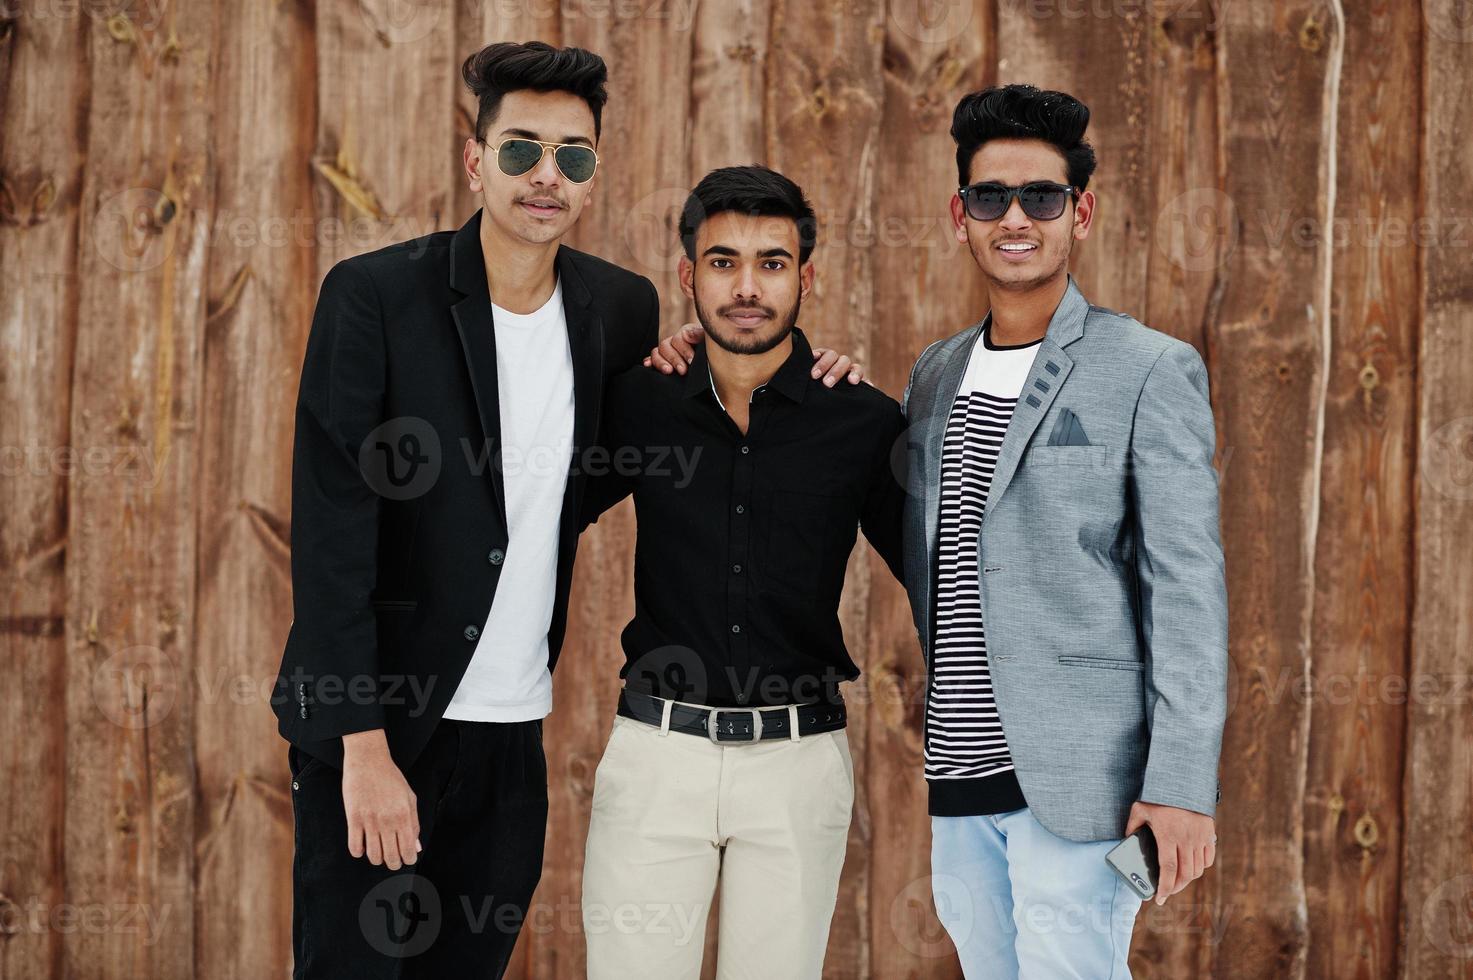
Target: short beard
(757,346)
(1024,285)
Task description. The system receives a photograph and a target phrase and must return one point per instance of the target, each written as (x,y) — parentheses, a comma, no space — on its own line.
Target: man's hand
(383,820)
(678,350)
(1185,843)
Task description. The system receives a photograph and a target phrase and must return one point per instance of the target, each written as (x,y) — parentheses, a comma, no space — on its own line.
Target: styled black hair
(752,190)
(505,67)
(1023,112)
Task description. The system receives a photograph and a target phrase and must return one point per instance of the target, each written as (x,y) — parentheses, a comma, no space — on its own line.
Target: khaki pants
(673,814)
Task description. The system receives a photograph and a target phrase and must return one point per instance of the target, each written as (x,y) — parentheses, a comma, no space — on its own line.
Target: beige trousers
(674,814)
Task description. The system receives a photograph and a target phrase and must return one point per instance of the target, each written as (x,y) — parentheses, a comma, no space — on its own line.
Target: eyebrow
(767,253)
(529,134)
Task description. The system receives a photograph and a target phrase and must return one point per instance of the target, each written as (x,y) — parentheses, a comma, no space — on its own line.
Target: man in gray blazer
(1064,570)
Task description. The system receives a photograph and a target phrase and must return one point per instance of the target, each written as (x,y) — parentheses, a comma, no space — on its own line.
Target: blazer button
(471,632)
(497,556)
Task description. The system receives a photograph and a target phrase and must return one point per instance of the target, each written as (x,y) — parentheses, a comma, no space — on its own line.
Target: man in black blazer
(437,475)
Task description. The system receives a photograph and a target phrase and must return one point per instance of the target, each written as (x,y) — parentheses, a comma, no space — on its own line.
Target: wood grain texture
(257,314)
(1284,184)
(1353,818)
(1437,797)
(148,200)
(40,188)
(1279,76)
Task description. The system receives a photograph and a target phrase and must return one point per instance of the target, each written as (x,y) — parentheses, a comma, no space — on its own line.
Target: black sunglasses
(1042,200)
(517,155)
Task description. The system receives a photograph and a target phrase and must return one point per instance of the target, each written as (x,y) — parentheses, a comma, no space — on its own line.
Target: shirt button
(736,568)
(497,556)
(304,711)
(735,628)
(296,785)
(471,632)
(741,697)
(741,509)
(746,449)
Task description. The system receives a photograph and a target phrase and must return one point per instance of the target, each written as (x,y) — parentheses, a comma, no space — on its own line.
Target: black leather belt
(726,725)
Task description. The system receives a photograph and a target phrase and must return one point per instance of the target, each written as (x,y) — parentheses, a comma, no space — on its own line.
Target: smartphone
(1134,859)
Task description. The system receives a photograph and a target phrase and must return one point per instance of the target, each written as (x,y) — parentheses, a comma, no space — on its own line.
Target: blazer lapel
(473,321)
(586,341)
(943,397)
(1050,367)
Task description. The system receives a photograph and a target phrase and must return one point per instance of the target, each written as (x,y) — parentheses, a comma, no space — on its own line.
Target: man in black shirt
(728,758)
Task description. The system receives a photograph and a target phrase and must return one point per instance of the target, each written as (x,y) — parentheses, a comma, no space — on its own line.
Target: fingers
(355,837)
(663,358)
(676,350)
(1170,861)
(683,342)
(375,845)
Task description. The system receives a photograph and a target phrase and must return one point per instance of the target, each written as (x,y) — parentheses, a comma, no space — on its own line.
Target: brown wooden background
(1285,183)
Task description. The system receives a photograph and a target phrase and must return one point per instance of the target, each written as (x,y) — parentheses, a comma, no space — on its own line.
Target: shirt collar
(791,378)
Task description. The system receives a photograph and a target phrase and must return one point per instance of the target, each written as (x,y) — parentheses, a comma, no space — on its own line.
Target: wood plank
(387,158)
(40,184)
(147,201)
(261,277)
(1363,562)
(926,286)
(1279,76)
(1437,889)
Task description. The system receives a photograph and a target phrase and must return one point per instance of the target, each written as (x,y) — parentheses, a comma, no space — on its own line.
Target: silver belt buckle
(714,716)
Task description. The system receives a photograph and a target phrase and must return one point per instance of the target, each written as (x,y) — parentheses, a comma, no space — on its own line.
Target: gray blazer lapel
(1050,367)
(942,398)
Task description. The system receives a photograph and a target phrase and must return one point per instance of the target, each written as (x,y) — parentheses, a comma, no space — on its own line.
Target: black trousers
(481,791)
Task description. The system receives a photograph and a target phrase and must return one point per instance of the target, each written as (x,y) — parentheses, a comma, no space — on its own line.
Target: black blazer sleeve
(335,511)
(608,482)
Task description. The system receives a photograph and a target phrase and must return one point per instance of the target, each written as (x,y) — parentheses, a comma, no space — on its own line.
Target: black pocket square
(1067,431)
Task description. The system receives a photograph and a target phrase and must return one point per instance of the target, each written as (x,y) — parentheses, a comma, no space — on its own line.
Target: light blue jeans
(1021,903)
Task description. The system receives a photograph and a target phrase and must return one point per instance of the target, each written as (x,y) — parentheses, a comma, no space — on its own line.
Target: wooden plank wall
(1284,183)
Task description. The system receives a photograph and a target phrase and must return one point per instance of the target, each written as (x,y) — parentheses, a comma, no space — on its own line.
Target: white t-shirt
(508,679)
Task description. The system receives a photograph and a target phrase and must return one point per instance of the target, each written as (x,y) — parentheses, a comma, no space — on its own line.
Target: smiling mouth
(1017,248)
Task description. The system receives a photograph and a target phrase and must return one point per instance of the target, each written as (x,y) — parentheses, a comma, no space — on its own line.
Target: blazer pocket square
(1076,436)
(1067,431)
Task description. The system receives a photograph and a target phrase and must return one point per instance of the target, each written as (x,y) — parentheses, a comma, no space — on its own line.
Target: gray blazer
(1102,584)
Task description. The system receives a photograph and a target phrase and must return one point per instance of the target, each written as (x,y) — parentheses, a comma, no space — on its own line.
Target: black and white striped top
(967,761)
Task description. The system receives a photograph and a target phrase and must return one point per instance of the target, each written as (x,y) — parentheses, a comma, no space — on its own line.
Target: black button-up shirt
(743,538)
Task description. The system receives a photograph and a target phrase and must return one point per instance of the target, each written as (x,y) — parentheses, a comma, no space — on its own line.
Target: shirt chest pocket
(799,541)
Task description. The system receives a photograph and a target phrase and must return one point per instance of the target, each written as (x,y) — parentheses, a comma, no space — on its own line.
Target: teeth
(1016,248)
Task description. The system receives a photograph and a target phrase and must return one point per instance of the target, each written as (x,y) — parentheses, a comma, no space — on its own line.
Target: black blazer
(399,526)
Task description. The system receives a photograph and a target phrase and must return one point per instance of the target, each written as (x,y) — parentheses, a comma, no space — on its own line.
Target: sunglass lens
(576,162)
(516,157)
(1043,202)
(987,202)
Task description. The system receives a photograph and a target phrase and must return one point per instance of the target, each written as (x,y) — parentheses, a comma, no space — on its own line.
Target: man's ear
(1084,215)
(473,160)
(958,219)
(687,271)
(805,279)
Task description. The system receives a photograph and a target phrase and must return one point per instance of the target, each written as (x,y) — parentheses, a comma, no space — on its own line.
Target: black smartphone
(1134,859)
